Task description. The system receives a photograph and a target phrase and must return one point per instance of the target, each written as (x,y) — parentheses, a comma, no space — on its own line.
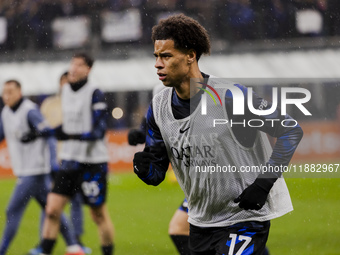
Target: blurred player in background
(228,213)
(31,162)
(51,110)
(178,226)
(83,156)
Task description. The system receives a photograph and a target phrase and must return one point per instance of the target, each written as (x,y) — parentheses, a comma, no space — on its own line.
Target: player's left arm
(288,135)
(288,138)
(38,125)
(99,118)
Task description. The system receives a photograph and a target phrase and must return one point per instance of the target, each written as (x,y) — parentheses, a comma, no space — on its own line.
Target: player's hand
(136,136)
(29,137)
(60,135)
(255,196)
(141,163)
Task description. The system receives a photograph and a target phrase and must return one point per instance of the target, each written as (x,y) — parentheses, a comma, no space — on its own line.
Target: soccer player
(178,227)
(51,110)
(228,213)
(31,162)
(83,156)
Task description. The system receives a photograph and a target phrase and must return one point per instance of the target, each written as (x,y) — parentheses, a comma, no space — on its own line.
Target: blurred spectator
(82,7)
(29,21)
(47,12)
(241,18)
(276,17)
(67,8)
(334,17)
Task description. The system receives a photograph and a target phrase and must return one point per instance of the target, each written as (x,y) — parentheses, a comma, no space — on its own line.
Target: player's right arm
(151,164)
(38,125)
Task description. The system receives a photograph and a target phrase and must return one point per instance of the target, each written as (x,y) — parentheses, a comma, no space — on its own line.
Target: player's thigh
(55,203)
(244,238)
(179,223)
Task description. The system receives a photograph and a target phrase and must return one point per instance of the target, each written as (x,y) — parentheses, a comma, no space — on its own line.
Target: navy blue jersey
(287,137)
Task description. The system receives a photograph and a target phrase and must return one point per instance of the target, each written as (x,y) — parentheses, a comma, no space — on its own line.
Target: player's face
(172,64)
(79,70)
(11,94)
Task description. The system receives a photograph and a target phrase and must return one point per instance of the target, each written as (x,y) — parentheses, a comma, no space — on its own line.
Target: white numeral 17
(233,237)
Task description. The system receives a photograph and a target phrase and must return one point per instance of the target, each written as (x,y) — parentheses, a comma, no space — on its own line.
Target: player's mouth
(161,76)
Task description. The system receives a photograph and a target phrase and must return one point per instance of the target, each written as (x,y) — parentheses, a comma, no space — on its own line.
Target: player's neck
(75,86)
(185,91)
(17,104)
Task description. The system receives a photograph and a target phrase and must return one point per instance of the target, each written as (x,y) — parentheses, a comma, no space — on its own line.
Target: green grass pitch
(141,215)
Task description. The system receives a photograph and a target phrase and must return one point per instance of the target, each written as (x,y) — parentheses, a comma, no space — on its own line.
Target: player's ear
(191,54)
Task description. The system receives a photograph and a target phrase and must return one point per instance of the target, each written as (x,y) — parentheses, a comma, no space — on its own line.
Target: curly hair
(186,33)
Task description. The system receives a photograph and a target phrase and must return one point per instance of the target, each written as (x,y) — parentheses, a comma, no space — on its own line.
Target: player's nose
(159,63)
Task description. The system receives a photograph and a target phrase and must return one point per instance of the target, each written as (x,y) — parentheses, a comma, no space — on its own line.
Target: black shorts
(89,179)
(242,238)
